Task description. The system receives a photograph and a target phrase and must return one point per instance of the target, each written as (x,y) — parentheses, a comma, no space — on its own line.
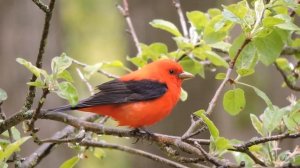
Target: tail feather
(61,108)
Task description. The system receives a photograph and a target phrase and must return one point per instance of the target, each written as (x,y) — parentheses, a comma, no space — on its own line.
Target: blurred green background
(93,31)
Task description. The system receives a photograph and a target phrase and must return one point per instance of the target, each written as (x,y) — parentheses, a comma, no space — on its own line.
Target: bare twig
(99,71)
(37,111)
(286,80)
(46,148)
(195,125)
(89,86)
(41,5)
(266,139)
(125,12)
(254,158)
(133,151)
(214,160)
(31,91)
(181,17)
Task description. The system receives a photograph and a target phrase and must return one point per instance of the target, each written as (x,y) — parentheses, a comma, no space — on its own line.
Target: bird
(138,99)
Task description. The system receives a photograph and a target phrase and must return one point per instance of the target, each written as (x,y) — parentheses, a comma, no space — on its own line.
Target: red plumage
(140,98)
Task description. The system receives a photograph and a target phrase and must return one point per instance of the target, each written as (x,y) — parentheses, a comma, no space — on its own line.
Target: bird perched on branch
(140,98)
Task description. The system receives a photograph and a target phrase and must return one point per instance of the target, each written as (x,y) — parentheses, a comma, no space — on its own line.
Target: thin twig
(266,139)
(181,17)
(37,111)
(31,90)
(89,86)
(132,151)
(41,5)
(99,70)
(195,125)
(214,160)
(285,78)
(254,158)
(125,12)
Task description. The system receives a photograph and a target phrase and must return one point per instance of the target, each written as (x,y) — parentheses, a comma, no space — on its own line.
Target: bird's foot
(141,133)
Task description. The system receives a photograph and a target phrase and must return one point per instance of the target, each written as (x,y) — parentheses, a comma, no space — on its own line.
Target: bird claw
(139,133)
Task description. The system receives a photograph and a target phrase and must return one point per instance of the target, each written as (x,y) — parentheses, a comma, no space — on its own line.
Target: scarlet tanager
(140,98)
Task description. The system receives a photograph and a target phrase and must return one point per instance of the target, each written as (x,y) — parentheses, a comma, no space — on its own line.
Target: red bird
(140,98)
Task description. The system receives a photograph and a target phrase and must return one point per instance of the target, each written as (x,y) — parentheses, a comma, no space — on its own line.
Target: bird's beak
(185,75)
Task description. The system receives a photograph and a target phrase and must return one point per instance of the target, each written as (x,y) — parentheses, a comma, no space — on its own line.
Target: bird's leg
(139,132)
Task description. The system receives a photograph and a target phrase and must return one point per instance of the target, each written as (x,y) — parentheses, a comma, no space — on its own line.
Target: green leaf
(211,126)
(272,118)
(262,95)
(271,21)
(283,64)
(99,153)
(70,163)
(138,61)
(288,26)
(13,147)
(66,76)
(200,51)
(192,66)
(241,157)
(220,76)
(234,101)
(36,71)
(269,47)
(167,26)
(216,59)
(216,29)
(224,46)
(248,57)
(61,63)
(236,12)
(222,144)
(296,160)
(183,95)
(67,91)
(245,72)
(15,133)
(257,124)
(3,95)
(90,70)
(37,83)
(292,121)
(197,19)
(214,12)
(116,64)
(183,43)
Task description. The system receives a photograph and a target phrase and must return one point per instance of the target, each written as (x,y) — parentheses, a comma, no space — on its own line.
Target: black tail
(61,108)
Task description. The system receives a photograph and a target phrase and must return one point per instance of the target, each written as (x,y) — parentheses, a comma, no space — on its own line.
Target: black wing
(116,92)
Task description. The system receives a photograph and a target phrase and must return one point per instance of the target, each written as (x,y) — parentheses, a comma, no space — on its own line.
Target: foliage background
(93,31)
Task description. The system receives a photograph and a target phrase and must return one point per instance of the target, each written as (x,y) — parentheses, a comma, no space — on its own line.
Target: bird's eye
(171,71)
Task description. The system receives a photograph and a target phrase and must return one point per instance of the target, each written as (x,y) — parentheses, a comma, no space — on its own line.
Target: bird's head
(168,71)
(165,70)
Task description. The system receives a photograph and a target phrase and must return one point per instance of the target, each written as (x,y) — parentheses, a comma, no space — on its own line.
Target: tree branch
(181,17)
(41,5)
(195,125)
(125,12)
(45,149)
(132,151)
(286,80)
(31,90)
(214,160)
